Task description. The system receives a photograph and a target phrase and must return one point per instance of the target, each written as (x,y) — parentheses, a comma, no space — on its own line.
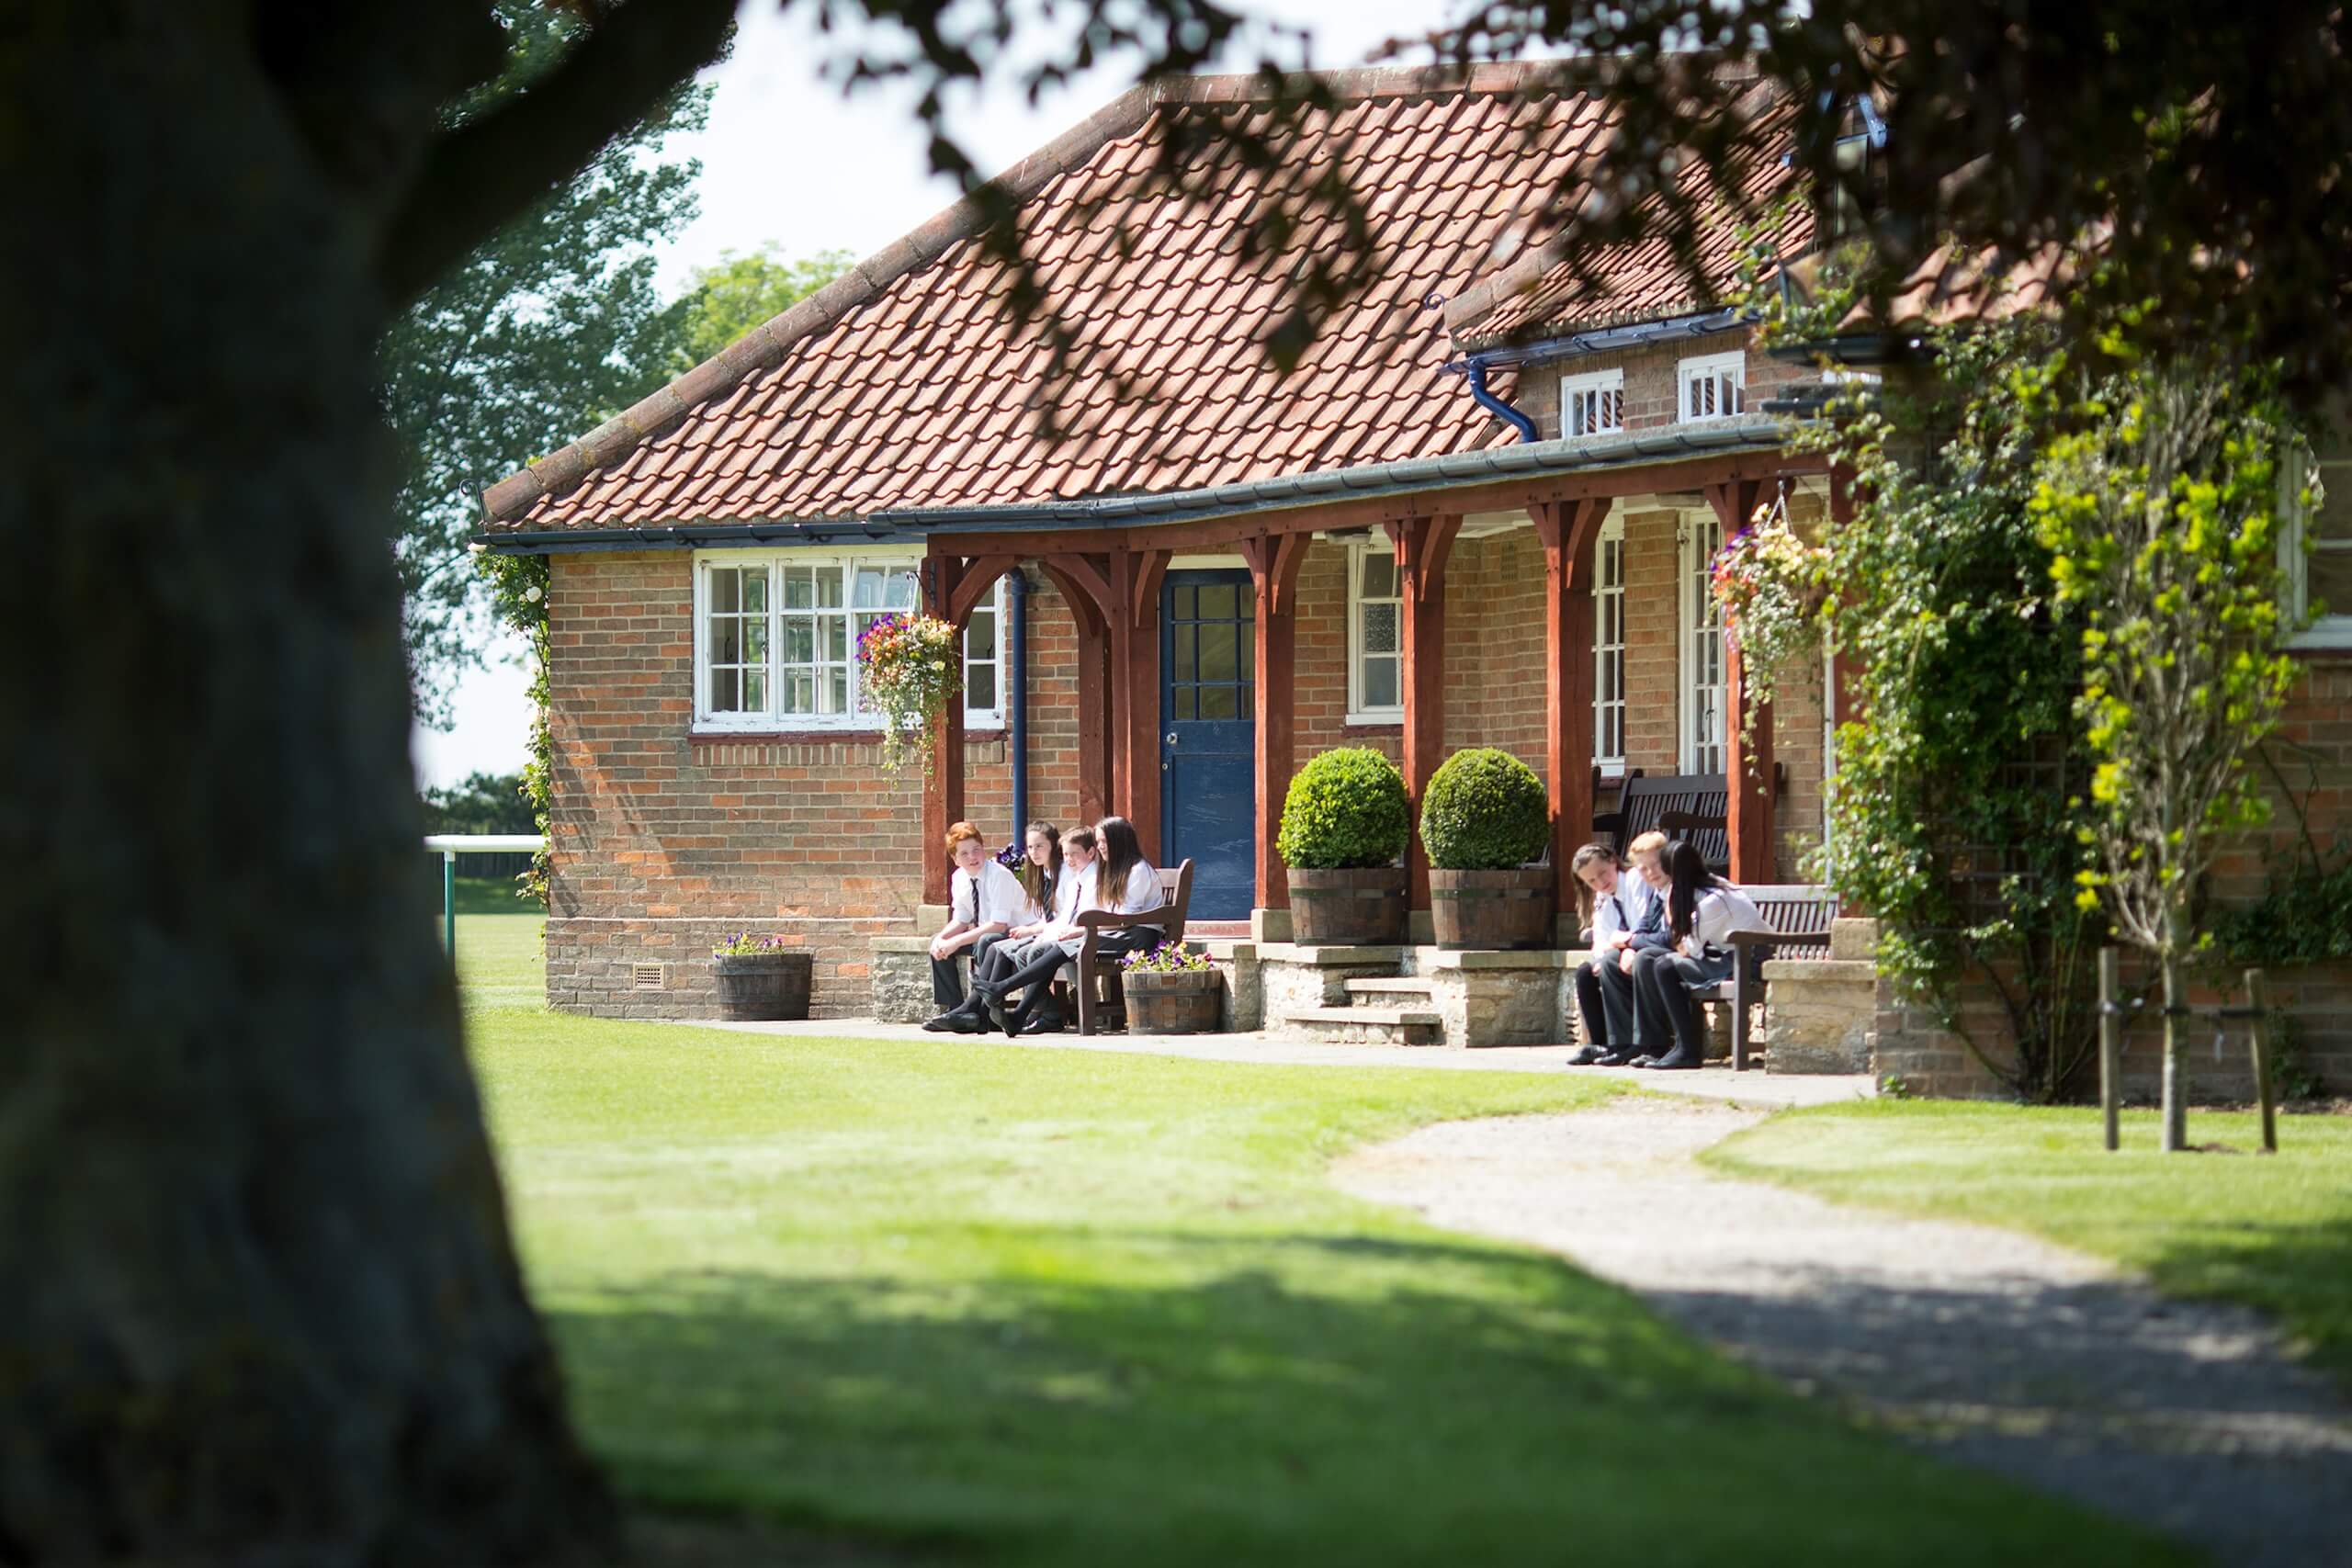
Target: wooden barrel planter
(1359,908)
(1189,1001)
(755,988)
(1492,908)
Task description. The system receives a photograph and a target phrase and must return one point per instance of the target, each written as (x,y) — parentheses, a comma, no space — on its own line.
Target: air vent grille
(648,977)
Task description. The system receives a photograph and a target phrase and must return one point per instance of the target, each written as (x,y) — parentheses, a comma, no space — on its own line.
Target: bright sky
(786,159)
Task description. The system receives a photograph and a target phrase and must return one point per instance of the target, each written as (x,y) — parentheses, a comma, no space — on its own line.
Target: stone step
(1391,986)
(1365,1026)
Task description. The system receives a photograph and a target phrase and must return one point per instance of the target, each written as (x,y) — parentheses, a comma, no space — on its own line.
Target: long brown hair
(1589,855)
(1121,854)
(1038,881)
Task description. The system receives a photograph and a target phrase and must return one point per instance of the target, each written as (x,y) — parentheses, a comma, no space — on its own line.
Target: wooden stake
(2257,997)
(2111,1043)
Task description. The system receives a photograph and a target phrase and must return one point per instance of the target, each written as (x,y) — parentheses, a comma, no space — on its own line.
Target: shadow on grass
(2300,1273)
(1115,1399)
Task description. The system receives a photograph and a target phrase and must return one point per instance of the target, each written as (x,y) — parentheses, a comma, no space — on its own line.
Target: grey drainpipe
(1476,371)
(1017,684)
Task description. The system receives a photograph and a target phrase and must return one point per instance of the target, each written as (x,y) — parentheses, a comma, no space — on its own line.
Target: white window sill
(2330,633)
(706,729)
(1387,717)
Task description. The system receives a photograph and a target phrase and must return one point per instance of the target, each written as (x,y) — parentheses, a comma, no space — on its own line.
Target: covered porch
(1193,708)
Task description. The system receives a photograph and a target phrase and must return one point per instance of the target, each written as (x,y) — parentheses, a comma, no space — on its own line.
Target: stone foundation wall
(663,969)
(1497,998)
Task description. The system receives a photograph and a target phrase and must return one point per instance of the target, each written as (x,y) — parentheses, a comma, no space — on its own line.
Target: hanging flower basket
(912,669)
(1771,585)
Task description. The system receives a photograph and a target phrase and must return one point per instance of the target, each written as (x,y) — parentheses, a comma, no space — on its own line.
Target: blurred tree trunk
(261,1303)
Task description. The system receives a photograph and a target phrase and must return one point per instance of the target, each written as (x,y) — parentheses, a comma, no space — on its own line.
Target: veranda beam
(1748,763)
(1566,530)
(1274,561)
(1423,546)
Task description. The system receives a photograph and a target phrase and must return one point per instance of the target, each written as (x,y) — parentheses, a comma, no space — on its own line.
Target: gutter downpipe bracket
(1475,372)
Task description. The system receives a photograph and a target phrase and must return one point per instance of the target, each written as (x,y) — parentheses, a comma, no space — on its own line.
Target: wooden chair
(1090,972)
(1799,916)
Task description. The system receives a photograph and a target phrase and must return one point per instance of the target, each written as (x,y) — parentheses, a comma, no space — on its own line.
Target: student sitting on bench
(1703,911)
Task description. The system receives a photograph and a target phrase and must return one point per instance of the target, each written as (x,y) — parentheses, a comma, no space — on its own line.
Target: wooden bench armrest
(1107,919)
(1742,941)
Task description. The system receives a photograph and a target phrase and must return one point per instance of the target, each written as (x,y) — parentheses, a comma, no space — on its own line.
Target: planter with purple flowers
(761,979)
(1172,989)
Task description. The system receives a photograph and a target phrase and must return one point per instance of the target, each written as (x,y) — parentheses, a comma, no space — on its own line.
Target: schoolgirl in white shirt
(1703,912)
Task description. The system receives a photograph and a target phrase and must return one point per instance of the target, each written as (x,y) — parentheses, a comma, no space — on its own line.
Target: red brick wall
(663,841)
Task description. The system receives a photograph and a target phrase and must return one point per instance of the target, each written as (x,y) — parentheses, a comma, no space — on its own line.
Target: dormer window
(1593,403)
(1713,386)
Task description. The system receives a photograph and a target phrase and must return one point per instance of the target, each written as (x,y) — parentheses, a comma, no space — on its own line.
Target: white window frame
(1597,386)
(2333,630)
(1608,596)
(769,720)
(1358,713)
(1727,374)
(1698,616)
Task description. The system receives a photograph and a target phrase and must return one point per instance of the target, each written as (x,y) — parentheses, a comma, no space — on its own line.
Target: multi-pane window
(1375,634)
(1704,732)
(1593,403)
(1213,649)
(776,639)
(1609,645)
(2322,579)
(735,639)
(1712,386)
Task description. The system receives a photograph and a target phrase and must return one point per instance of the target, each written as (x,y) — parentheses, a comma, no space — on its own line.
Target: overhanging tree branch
(476,177)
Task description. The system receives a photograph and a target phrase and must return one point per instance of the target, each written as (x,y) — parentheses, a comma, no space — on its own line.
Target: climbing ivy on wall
(1955,813)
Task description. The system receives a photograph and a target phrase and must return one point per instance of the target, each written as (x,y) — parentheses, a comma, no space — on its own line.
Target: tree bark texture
(2175,1079)
(261,1303)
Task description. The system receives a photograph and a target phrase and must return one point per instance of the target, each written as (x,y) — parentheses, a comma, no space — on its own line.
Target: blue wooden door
(1208,740)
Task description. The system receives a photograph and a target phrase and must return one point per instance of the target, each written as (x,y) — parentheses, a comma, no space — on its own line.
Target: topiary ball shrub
(1345,809)
(1485,810)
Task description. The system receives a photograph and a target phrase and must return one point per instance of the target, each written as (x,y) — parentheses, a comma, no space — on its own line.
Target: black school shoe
(1591,1056)
(1674,1061)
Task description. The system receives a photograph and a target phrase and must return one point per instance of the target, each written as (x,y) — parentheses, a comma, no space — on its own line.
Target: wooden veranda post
(1423,546)
(942,782)
(1135,579)
(1748,763)
(1274,561)
(1085,584)
(1566,530)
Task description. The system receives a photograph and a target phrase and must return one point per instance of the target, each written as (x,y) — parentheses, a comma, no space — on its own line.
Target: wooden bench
(1699,802)
(1090,972)
(1799,916)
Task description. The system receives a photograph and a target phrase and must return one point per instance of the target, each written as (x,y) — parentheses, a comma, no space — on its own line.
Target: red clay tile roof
(909,384)
(1545,295)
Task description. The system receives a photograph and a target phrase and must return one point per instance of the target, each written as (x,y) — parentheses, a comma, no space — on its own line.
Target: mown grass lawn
(2274,1231)
(1046,1307)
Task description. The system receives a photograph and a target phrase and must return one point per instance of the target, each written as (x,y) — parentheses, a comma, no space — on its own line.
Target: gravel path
(1992,1348)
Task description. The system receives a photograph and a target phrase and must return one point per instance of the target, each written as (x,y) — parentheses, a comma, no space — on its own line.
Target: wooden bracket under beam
(978,580)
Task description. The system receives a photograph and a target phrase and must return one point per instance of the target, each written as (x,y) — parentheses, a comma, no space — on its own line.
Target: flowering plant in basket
(746,945)
(911,671)
(1168,958)
(1770,584)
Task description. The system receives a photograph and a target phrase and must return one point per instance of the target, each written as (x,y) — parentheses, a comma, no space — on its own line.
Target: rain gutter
(1370,481)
